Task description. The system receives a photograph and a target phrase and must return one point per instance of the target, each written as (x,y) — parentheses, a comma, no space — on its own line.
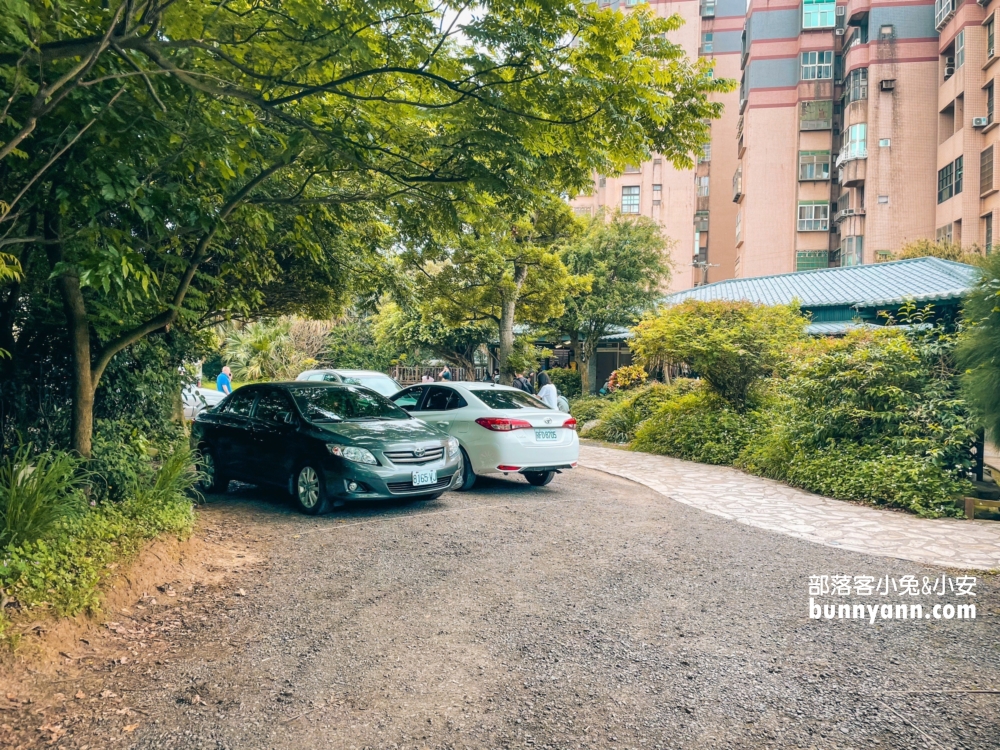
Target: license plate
(546,436)
(420,478)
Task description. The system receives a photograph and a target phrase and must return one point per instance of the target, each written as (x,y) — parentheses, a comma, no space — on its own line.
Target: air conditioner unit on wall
(887,84)
(841,10)
(980,122)
(839,32)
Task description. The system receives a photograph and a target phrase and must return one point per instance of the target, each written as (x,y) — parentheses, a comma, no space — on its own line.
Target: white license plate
(420,478)
(546,436)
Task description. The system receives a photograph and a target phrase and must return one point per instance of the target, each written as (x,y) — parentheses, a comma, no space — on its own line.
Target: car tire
(539,478)
(213,480)
(468,475)
(309,490)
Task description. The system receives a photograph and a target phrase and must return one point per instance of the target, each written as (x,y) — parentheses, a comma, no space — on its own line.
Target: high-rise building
(967,134)
(694,206)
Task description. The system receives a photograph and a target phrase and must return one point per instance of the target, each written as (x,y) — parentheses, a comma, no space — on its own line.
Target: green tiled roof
(878,285)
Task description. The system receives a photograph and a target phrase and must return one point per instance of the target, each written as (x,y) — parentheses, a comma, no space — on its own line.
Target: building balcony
(738,185)
(852,172)
(702,203)
(846,213)
(708,8)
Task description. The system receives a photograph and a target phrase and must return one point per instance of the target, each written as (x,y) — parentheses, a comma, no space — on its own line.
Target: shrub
(732,346)
(566,381)
(588,408)
(698,426)
(37,492)
(64,569)
(628,377)
(979,344)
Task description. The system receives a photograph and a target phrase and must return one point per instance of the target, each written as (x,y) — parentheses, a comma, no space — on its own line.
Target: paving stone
(766,504)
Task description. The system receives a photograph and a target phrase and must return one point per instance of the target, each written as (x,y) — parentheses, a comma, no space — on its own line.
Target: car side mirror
(287,417)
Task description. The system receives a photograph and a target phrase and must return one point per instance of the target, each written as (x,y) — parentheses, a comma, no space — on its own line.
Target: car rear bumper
(513,453)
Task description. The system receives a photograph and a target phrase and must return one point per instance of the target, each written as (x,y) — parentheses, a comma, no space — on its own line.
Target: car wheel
(539,478)
(212,479)
(468,475)
(310,490)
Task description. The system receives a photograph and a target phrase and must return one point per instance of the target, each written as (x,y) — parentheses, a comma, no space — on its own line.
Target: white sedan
(501,430)
(196,400)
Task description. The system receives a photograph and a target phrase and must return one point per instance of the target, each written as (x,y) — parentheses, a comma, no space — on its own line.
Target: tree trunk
(580,357)
(79,339)
(506,339)
(589,353)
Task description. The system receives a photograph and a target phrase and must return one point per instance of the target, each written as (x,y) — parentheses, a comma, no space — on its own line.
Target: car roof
(338,371)
(480,386)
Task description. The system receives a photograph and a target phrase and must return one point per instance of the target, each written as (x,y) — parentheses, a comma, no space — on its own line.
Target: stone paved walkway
(771,505)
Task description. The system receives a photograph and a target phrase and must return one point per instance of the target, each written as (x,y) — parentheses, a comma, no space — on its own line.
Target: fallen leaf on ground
(130,728)
(80,695)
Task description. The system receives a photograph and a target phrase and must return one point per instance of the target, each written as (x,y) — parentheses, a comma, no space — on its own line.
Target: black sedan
(323,443)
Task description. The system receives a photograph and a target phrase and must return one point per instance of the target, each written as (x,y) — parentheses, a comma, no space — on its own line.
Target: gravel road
(593,613)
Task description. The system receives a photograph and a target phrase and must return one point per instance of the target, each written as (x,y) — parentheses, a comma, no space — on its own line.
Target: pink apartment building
(694,206)
(858,126)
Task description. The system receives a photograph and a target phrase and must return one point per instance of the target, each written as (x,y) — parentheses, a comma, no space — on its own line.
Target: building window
(630,169)
(810,260)
(986,171)
(856,86)
(946,183)
(857,142)
(817,66)
(602,181)
(814,165)
(706,153)
(960,49)
(706,43)
(988,244)
(818,15)
(990,38)
(657,189)
(739,226)
(630,199)
(950,180)
(989,103)
(852,251)
(816,115)
(814,217)
(702,184)
(944,234)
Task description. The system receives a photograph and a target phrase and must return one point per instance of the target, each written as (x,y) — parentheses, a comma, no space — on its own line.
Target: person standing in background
(224,383)
(547,391)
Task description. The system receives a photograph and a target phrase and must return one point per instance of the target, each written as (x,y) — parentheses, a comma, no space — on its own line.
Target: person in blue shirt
(224,383)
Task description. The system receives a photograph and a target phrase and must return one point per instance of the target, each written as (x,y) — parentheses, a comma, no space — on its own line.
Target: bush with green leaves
(699,426)
(875,417)
(629,409)
(979,346)
(588,408)
(566,381)
(732,346)
(62,568)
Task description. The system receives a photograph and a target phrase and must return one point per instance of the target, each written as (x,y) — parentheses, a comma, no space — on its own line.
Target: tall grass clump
(37,493)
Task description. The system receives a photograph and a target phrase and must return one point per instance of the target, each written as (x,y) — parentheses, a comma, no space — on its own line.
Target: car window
(503,399)
(329,377)
(379,383)
(315,376)
(409,398)
(351,404)
(443,399)
(272,406)
(240,403)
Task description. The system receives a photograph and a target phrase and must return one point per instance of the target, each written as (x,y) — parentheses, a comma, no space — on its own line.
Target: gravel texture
(593,613)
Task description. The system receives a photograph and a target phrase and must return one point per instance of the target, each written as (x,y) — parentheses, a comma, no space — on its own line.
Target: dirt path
(593,613)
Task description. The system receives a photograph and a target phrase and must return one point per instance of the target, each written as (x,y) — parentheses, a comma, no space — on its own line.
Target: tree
(421,333)
(924,248)
(501,266)
(978,350)
(732,346)
(180,161)
(626,259)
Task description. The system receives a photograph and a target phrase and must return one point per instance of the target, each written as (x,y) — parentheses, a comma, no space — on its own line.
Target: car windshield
(379,383)
(504,399)
(345,404)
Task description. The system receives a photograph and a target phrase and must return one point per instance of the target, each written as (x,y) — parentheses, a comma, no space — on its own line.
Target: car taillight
(503,424)
(570,423)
